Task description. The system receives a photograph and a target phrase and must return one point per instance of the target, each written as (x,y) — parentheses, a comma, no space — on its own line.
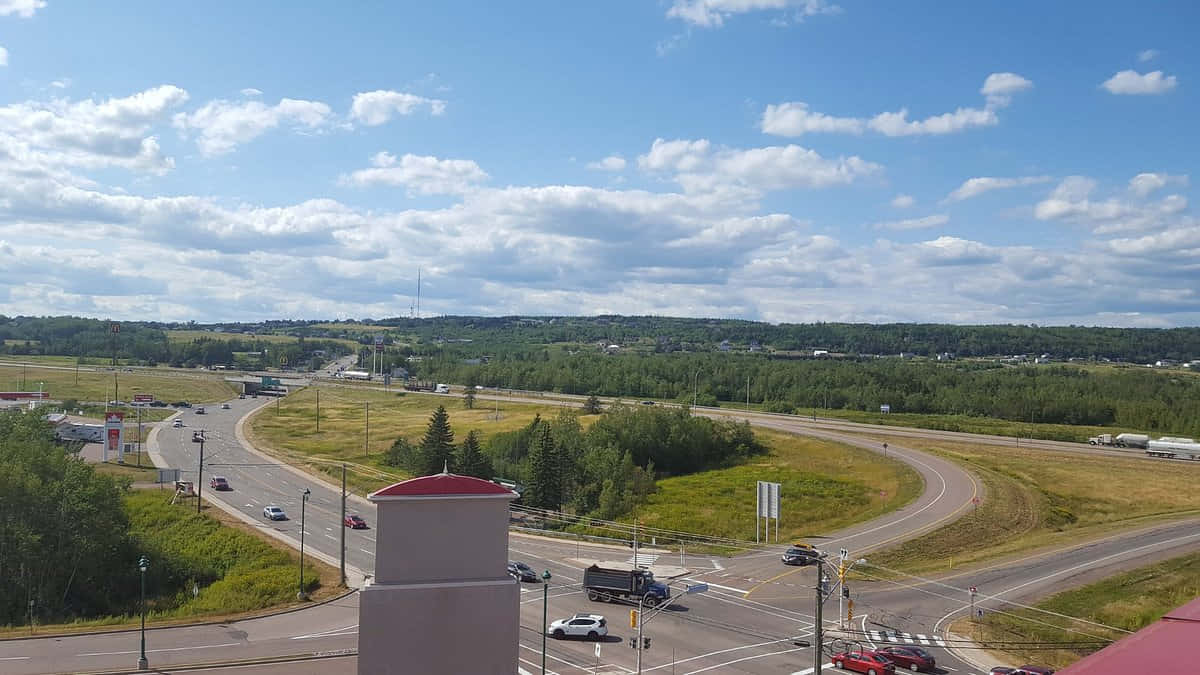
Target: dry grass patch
(1038,498)
(98,385)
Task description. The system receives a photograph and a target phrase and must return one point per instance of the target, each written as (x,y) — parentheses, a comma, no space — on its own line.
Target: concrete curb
(960,642)
(295,658)
(616,547)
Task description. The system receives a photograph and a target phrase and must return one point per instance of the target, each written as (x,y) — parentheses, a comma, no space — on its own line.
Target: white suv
(590,626)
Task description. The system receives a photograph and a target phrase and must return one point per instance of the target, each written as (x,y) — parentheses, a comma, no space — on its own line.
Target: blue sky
(777,160)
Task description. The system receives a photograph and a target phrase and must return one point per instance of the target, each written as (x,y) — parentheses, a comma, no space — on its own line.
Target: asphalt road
(747,622)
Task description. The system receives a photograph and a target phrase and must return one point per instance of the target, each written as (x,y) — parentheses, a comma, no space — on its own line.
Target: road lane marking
(365,551)
(731,589)
(747,658)
(808,671)
(674,663)
(14,658)
(332,631)
(172,649)
(716,565)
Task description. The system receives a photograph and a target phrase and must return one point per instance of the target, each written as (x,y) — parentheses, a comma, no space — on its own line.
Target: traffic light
(645,642)
(845,591)
(633,642)
(633,617)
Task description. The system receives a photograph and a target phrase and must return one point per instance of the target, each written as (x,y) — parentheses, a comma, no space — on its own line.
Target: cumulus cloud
(421,175)
(713,13)
(1130,82)
(914,223)
(223,125)
(1147,55)
(91,134)
(795,118)
(379,107)
(21,8)
(3,56)
(251,91)
(610,163)
(1072,201)
(973,187)
(903,201)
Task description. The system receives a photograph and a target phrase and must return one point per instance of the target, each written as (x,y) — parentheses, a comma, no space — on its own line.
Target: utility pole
(818,657)
(139,413)
(641,603)
(367,430)
(343,557)
(115,384)
(747,392)
(200,472)
(318,410)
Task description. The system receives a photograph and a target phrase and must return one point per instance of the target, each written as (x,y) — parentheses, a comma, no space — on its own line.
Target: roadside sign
(143,398)
(168,475)
(597,650)
(974,590)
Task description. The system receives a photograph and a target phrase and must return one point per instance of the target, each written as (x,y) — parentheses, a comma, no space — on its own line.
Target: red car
(867,661)
(913,658)
(219,483)
(354,522)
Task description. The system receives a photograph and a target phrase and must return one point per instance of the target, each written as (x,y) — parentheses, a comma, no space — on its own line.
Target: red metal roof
(1163,648)
(442,484)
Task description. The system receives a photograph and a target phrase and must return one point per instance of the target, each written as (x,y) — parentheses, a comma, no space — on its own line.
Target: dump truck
(611,585)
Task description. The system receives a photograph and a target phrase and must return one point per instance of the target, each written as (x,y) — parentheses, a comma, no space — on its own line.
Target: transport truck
(1173,447)
(614,584)
(1121,440)
(441,389)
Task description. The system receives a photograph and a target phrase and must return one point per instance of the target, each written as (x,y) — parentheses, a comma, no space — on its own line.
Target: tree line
(600,472)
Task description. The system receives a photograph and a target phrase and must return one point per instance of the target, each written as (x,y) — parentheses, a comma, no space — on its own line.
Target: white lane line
(333,631)
(747,658)
(365,551)
(14,658)
(716,565)
(723,651)
(331,537)
(923,639)
(172,649)
(370,539)
(731,589)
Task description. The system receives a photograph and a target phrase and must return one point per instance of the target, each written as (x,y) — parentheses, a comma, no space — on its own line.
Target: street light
(545,595)
(300,595)
(143,565)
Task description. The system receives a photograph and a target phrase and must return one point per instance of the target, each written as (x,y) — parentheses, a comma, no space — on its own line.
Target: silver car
(274,513)
(590,626)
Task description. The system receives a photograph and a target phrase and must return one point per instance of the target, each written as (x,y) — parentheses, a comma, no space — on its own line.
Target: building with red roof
(1162,648)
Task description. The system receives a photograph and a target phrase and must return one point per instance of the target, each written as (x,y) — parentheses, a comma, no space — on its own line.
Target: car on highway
(219,483)
(1026,669)
(274,513)
(117,403)
(199,410)
(866,661)
(181,404)
(590,626)
(913,658)
(158,404)
(241,396)
(647,402)
(177,423)
(800,554)
(354,522)
(224,406)
(521,572)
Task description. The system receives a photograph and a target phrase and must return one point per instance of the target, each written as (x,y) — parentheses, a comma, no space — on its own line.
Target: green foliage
(592,405)
(543,489)
(405,455)
(63,541)
(469,398)
(437,448)
(471,460)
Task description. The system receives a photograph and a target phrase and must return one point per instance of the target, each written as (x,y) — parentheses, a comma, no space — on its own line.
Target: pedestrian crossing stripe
(908,638)
(643,559)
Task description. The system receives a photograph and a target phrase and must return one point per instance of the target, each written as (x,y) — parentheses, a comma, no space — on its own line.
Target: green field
(193,335)
(1038,498)
(833,485)
(1128,601)
(98,385)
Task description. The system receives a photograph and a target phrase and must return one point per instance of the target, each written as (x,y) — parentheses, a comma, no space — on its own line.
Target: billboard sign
(114,432)
(378,344)
(143,398)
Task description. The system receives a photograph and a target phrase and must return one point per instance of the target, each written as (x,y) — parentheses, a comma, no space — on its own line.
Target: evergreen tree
(469,398)
(437,447)
(544,490)
(471,461)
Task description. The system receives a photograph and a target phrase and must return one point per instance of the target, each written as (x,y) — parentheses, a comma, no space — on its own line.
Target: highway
(748,621)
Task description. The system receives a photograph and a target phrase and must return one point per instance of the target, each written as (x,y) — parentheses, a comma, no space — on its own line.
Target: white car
(224,406)
(590,626)
(274,513)
(177,423)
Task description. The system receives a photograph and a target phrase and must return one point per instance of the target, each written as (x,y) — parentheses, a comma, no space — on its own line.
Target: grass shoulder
(1034,499)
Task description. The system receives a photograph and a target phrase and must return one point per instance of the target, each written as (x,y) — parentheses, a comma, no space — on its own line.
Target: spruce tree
(469,398)
(545,488)
(471,461)
(437,447)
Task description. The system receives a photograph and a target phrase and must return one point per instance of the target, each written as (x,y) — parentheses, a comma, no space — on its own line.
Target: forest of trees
(600,472)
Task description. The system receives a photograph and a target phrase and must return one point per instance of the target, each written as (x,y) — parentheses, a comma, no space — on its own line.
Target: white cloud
(1072,201)
(1147,55)
(678,155)
(610,163)
(1145,183)
(251,91)
(223,125)
(91,134)
(973,187)
(22,8)
(794,119)
(713,13)
(1130,82)
(914,223)
(903,201)
(61,84)
(999,88)
(379,107)
(3,56)
(421,175)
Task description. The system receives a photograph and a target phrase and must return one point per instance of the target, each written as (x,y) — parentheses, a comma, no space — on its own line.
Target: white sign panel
(768,499)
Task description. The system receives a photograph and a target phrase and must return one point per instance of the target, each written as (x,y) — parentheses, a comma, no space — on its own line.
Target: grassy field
(98,385)
(146,473)
(1128,601)
(824,486)
(817,494)
(192,335)
(1038,498)
(237,572)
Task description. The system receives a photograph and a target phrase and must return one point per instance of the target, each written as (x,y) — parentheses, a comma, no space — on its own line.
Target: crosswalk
(643,559)
(906,638)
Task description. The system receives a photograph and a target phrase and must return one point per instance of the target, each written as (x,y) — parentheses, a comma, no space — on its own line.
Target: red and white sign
(143,398)
(114,432)
(23,395)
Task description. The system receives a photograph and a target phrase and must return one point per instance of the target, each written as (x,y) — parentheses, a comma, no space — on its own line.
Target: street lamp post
(545,595)
(300,595)
(695,387)
(143,565)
